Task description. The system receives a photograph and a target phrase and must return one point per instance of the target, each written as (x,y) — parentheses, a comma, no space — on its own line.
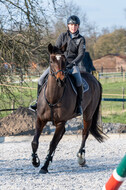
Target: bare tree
(61,15)
(24,35)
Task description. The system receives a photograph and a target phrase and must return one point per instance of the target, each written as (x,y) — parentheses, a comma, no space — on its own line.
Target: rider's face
(73,28)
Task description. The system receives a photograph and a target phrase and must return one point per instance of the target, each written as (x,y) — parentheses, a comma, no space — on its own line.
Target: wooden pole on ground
(117,177)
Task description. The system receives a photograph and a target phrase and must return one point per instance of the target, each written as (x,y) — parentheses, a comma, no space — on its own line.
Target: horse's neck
(53,91)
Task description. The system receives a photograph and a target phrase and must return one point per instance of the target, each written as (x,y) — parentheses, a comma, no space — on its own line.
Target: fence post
(121,70)
(123,91)
(123,76)
(13,105)
(95,74)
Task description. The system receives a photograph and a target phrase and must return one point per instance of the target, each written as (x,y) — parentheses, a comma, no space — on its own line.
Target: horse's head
(58,63)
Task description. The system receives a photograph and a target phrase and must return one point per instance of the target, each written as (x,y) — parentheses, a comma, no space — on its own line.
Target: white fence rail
(112,75)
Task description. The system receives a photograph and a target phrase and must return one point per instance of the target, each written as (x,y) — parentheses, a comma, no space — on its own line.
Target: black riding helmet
(73,20)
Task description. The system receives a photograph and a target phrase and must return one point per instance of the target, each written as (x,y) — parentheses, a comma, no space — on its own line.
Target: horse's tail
(95,128)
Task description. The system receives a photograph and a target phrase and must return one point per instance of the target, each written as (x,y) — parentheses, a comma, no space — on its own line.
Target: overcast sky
(104,13)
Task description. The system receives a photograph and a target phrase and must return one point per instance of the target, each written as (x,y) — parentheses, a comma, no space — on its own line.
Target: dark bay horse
(57,103)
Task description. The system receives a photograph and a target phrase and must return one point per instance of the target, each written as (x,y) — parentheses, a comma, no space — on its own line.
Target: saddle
(73,84)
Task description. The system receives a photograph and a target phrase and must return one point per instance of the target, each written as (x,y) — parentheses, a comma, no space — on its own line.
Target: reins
(54,73)
(53,105)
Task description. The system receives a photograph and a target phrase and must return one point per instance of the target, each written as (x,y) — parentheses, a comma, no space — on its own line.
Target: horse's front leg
(59,132)
(39,127)
(85,133)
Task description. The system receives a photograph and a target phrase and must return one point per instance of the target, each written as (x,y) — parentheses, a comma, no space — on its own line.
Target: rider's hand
(70,65)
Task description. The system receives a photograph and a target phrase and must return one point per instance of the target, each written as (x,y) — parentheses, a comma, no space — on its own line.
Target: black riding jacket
(75,46)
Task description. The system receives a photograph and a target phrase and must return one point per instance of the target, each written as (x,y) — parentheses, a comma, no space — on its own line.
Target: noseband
(53,73)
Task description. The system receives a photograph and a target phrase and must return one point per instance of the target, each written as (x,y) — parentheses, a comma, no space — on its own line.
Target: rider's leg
(40,83)
(76,74)
(34,107)
(42,77)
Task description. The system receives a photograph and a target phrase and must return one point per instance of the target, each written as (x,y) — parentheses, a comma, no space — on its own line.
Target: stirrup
(33,107)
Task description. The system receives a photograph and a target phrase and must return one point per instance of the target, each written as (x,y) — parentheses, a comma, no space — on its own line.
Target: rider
(74,54)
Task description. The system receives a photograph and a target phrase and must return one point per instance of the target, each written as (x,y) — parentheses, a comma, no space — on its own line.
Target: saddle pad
(85,85)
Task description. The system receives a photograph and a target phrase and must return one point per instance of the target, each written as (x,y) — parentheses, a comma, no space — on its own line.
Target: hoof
(35,160)
(81,159)
(43,171)
(82,163)
(36,164)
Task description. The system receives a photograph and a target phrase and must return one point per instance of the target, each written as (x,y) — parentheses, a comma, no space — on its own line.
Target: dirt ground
(17,172)
(22,122)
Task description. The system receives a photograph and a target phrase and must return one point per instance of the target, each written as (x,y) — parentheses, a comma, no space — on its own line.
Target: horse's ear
(50,48)
(63,48)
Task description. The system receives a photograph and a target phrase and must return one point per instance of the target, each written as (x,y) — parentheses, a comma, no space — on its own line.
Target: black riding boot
(79,99)
(34,107)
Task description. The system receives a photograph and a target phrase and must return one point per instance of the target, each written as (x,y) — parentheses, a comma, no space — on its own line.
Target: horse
(57,103)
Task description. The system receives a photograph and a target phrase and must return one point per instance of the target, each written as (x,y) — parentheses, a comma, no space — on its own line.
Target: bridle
(54,73)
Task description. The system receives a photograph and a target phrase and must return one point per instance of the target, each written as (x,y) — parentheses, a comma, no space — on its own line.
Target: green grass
(114,88)
(21,96)
(111,111)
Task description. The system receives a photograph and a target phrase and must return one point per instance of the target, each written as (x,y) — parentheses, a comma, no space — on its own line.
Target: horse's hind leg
(85,133)
(59,132)
(39,127)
